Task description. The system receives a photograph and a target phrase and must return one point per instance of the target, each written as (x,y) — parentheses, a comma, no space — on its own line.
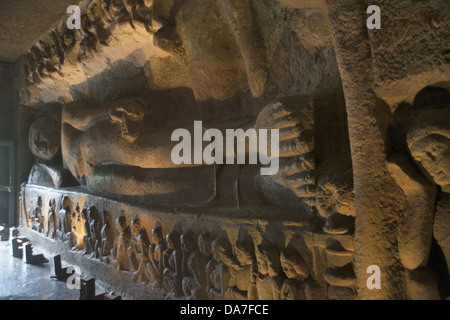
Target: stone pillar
(378,198)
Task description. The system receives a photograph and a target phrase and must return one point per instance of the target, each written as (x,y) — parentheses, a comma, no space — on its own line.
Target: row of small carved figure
(63,44)
(194,266)
(200,266)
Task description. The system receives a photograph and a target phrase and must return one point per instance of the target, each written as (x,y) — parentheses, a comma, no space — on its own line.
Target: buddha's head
(45,137)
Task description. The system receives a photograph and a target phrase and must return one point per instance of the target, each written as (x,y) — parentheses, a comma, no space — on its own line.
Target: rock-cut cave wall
(357,111)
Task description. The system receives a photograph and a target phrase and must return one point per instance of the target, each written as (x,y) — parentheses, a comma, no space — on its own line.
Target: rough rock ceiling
(23,22)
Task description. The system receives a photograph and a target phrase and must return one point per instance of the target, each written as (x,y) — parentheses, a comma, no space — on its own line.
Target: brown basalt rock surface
(362,121)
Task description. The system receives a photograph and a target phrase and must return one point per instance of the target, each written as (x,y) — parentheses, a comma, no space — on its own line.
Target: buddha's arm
(82,114)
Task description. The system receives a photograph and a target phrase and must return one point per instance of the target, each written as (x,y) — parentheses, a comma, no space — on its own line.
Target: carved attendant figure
(155,267)
(51,219)
(107,234)
(173,274)
(429,144)
(94,230)
(138,250)
(269,280)
(244,271)
(204,243)
(122,243)
(220,276)
(295,269)
(64,219)
(428,141)
(193,265)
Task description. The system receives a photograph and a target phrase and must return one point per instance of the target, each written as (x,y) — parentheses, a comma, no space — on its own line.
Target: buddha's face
(45,138)
(432,153)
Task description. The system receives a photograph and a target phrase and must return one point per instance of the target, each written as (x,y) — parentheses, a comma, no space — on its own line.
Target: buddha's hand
(128,111)
(125,114)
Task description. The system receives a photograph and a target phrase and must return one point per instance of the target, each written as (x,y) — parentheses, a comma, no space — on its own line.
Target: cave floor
(21,281)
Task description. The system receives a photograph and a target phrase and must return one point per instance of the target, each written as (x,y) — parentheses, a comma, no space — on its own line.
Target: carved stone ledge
(126,230)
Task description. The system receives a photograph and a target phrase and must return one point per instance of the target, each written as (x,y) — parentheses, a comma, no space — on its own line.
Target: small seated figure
(80,231)
(138,250)
(173,275)
(88,249)
(296,270)
(94,230)
(51,219)
(100,16)
(244,271)
(220,275)
(140,12)
(194,264)
(270,278)
(121,244)
(107,236)
(41,223)
(64,221)
(73,218)
(133,250)
(204,243)
(37,218)
(155,266)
